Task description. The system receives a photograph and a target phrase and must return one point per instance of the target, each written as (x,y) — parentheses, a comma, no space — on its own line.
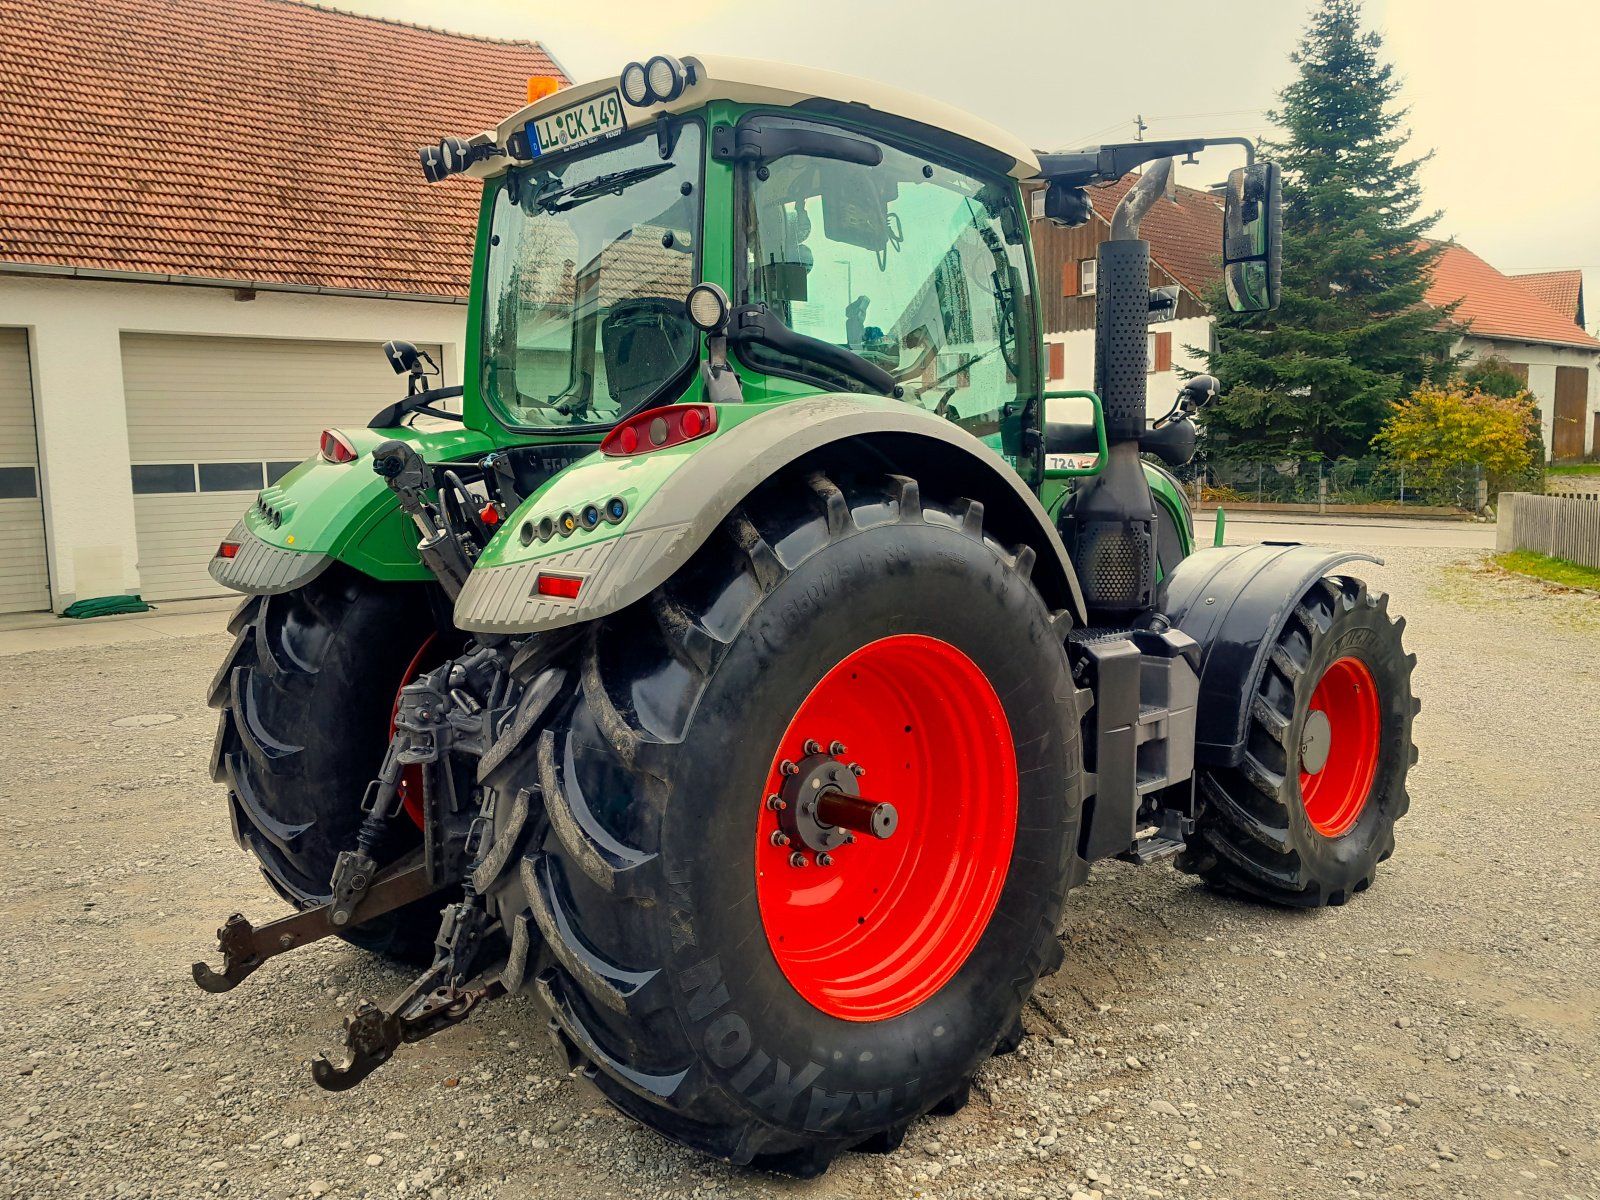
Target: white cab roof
(754,81)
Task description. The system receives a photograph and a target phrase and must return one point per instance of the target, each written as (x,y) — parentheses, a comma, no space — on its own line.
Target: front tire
(1309,813)
(771,1014)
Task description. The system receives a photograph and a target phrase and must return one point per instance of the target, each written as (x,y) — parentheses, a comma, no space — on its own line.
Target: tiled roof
(1495,305)
(257,140)
(1185,233)
(1561,290)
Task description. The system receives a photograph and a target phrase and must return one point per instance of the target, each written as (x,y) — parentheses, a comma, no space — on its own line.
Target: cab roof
(754,81)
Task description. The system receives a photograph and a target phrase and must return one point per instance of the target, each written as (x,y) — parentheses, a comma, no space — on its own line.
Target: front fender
(1234,601)
(676,497)
(323,512)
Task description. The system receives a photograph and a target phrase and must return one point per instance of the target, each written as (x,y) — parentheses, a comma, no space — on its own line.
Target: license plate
(599,116)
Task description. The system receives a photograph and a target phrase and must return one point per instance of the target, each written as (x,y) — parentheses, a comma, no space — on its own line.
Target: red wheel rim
(1347,700)
(889,922)
(410,788)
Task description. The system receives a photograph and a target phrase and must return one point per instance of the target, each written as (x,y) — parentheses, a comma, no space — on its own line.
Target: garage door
(213,420)
(24,579)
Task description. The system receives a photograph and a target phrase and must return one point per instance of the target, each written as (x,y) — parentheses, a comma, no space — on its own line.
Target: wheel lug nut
(813,746)
(780,838)
(857,770)
(849,839)
(836,748)
(776,803)
(788,768)
(797,859)
(824,860)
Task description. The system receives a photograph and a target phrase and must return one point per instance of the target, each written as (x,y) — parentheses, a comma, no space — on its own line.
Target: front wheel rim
(864,926)
(1339,747)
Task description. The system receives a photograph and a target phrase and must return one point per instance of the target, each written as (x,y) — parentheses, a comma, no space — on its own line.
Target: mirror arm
(1107,164)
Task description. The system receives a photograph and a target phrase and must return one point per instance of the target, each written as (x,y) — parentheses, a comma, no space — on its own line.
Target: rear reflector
(658,428)
(336,448)
(562,587)
(228,550)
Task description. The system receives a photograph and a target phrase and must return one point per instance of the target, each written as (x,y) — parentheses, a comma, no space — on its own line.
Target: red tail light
(659,428)
(228,550)
(336,448)
(563,587)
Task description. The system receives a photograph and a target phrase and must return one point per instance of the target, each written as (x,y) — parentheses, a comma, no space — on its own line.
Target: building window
(230,477)
(1058,360)
(277,470)
(1036,204)
(157,478)
(1158,353)
(1086,276)
(18,483)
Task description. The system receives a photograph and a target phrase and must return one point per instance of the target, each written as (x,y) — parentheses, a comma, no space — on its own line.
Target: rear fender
(1234,601)
(676,497)
(322,512)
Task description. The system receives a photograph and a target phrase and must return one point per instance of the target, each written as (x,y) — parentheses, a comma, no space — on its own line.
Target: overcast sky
(1503,93)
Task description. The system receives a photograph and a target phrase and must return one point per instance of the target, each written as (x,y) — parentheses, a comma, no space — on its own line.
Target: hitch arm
(245,947)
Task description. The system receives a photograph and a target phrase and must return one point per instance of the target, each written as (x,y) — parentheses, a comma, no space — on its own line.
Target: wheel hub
(1315,742)
(820,807)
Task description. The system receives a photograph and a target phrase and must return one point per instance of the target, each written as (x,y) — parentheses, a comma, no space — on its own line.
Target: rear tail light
(659,428)
(336,448)
(228,550)
(563,587)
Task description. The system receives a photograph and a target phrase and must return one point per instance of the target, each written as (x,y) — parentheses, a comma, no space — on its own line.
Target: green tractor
(754,664)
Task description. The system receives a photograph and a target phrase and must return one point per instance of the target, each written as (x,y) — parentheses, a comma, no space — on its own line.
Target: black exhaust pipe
(1113,513)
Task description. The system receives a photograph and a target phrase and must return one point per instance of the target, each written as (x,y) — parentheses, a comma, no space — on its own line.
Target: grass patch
(1574,469)
(1551,570)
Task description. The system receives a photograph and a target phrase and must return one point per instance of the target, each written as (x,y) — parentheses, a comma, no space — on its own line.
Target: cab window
(915,265)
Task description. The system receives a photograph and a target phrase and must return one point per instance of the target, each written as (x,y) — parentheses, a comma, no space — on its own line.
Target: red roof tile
(257,140)
(1495,305)
(1561,290)
(1185,233)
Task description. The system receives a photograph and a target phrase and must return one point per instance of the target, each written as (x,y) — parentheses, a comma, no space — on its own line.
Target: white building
(1516,318)
(216,218)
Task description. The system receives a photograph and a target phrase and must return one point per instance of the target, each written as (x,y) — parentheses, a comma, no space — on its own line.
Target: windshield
(589,262)
(914,265)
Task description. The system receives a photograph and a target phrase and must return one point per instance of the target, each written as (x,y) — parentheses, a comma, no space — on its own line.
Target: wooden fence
(1560,526)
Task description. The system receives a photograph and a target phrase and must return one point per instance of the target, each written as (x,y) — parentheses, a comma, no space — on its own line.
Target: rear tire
(305,697)
(1276,831)
(644,875)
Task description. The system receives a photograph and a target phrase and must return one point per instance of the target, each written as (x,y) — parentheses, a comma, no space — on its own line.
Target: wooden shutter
(1058,360)
(1069,278)
(1163,355)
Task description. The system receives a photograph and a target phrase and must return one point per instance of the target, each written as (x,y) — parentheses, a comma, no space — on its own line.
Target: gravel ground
(1436,1037)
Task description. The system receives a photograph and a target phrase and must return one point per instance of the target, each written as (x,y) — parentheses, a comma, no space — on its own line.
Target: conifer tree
(1316,377)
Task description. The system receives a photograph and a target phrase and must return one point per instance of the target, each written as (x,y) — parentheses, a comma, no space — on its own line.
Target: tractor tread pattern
(1243,842)
(273,703)
(614,986)
(611,865)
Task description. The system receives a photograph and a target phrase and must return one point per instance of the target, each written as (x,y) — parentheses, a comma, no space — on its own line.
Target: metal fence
(1560,526)
(1340,482)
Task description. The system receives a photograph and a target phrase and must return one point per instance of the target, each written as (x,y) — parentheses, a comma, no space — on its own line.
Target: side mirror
(1252,237)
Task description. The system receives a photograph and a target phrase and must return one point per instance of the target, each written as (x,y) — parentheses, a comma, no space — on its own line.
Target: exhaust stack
(1114,513)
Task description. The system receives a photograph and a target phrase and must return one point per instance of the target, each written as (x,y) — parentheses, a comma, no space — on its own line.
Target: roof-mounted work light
(658,80)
